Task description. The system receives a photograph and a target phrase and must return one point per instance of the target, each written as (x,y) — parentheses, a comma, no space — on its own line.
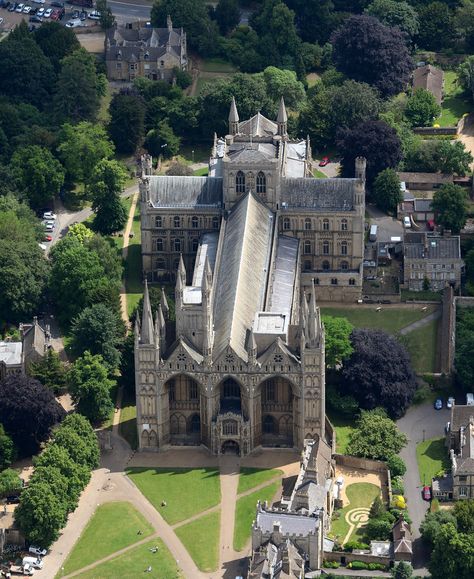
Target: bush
(351,545)
(331,564)
(376,567)
(397,486)
(397,512)
(358,565)
(434,506)
(396,465)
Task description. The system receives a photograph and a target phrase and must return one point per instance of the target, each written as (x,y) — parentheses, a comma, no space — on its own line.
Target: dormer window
(146,56)
(240,183)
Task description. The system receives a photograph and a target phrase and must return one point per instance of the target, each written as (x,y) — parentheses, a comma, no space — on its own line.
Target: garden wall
(345,558)
(436,131)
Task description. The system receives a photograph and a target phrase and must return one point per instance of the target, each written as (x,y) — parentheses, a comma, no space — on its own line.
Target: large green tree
(105,185)
(386,190)
(84,450)
(10,482)
(436,26)
(338,345)
(464,347)
(433,156)
(393,13)
(464,513)
(450,205)
(315,19)
(7,449)
(227,15)
(422,108)
(284,83)
(127,122)
(466,75)
(162,141)
(432,523)
(39,174)
(90,387)
(56,41)
(50,371)
(453,554)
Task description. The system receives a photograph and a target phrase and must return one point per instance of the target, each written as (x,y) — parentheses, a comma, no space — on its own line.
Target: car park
(6,5)
(12,7)
(49,215)
(450,402)
(37,551)
(47,238)
(55,15)
(35,562)
(438,404)
(48,12)
(57,4)
(94,15)
(74,23)
(426,493)
(324,161)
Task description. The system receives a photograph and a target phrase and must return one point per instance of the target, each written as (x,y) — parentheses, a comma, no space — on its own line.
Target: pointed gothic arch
(278,407)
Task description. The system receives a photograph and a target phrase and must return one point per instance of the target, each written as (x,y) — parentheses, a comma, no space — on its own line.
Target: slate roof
(291,523)
(460,415)
(131,42)
(251,153)
(242,272)
(430,78)
(322,194)
(283,278)
(258,126)
(432,248)
(178,191)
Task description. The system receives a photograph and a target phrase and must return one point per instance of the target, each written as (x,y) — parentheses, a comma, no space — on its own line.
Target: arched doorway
(184,403)
(277,424)
(230,396)
(230,447)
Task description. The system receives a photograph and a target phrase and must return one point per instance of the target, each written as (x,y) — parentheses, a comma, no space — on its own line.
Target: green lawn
(197,153)
(454,104)
(343,427)
(319,174)
(202,172)
(424,295)
(186,491)
(201,539)
(135,562)
(112,527)
(421,344)
(432,456)
(390,319)
(252,477)
(216,65)
(359,495)
(245,513)
(128,419)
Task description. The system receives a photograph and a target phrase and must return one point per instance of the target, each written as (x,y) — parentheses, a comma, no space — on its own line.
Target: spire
(164,304)
(252,348)
(313,322)
(136,331)
(147,330)
(161,321)
(157,328)
(169,23)
(282,119)
(233,118)
(182,269)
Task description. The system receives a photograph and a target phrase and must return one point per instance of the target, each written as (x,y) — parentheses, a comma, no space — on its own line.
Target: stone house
(137,50)
(431,79)
(431,258)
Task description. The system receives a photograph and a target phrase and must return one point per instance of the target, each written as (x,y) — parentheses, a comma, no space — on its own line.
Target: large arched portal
(184,401)
(230,396)
(277,412)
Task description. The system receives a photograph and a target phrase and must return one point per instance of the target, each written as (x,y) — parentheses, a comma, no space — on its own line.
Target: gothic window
(194,222)
(326,265)
(193,391)
(177,221)
(147,56)
(326,248)
(269,394)
(177,244)
(285,426)
(325,224)
(278,359)
(158,244)
(343,224)
(229,358)
(334,281)
(229,427)
(177,424)
(268,424)
(215,223)
(231,389)
(158,221)
(352,281)
(307,247)
(316,281)
(171,391)
(307,224)
(195,424)
(344,248)
(344,265)
(286,223)
(261,183)
(307,265)
(181,357)
(195,244)
(240,182)
(160,263)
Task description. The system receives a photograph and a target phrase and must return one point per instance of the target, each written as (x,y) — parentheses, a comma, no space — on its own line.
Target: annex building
(251,247)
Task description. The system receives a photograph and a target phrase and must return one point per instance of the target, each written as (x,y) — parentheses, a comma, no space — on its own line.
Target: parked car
(94,15)
(49,215)
(74,23)
(36,18)
(407,222)
(19,8)
(427,493)
(35,562)
(48,12)
(12,7)
(37,551)
(40,12)
(26,9)
(438,404)
(49,226)
(6,5)
(57,4)
(324,161)
(450,402)
(21,570)
(55,15)
(47,238)
(13,499)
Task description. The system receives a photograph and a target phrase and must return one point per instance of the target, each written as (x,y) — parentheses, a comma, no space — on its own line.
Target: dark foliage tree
(433,156)
(393,13)
(464,347)
(315,19)
(177,168)
(450,205)
(386,191)
(396,465)
(7,449)
(106,183)
(127,122)
(56,41)
(107,19)
(28,411)
(464,513)
(402,570)
(84,451)
(436,26)
(375,141)
(242,49)
(453,554)
(50,371)
(127,363)
(379,372)
(23,64)
(227,15)
(370,52)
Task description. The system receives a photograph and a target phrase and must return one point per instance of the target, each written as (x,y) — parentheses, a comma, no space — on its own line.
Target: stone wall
(345,558)
(361,463)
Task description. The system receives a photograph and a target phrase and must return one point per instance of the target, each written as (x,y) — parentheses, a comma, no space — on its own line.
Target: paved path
(229,478)
(126,242)
(421,323)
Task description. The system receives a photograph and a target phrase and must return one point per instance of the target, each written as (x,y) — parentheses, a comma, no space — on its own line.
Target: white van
(373,233)
(35,562)
(470,399)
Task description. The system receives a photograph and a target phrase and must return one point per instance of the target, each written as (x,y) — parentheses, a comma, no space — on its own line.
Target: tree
(90,388)
(396,465)
(466,75)
(433,156)
(402,571)
(7,449)
(315,19)
(338,343)
(379,372)
(81,232)
(432,523)
(422,108)
(162,141)
(284,83)
(393,13)
(463,22)
(376,436)
(177,168)
(464,347)
(368,51)
(127,364)
(56,41)
(106,184)
(39,174)
(50,371)
(377,509)
(227,15)
(107,19)
(464,513)
(28,411)
(375,141)
(23,64)
(386,191)
(436,26)
(450,205)
(453,554)
(99,330)
(81,147)
(109,256)
(378,530)
(56,480)
(10,482)
(84,452)
(127,122)
(41,514)
(78,88)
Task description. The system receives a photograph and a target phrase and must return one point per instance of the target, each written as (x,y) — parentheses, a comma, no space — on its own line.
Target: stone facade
(135,50)
(325,215)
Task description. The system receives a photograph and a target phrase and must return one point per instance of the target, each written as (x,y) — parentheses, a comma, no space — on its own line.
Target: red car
(55,15)
(47,238)
(427,493)
(324,161)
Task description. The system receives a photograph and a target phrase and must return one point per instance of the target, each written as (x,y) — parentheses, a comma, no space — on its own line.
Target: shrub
(376,567)
(434,506)
(351,545)
(397,486)
(331,564)
(396,465)
(358,565)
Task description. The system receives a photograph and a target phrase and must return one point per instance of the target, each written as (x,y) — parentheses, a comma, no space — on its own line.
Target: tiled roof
(174,191)
(421,246)
(324,194)
(430,78)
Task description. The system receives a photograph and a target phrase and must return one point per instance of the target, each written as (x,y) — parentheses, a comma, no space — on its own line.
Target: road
(419,423)
(129,11)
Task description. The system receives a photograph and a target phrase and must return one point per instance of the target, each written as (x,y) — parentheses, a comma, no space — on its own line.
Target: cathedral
(251,249)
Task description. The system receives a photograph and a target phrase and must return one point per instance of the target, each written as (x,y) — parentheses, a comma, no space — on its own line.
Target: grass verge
(201,539)
(186,491)
(343,427)
(252,477)
(432,456)
(421,344)
(128,419)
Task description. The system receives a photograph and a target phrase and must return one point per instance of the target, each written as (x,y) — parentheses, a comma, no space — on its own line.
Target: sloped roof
(324,194)
(460,415)
(242,270)
(283,279)
(430,78)
(258,126)
(290,523)
(10,353)
(430,247)
(180,191)
(251,153)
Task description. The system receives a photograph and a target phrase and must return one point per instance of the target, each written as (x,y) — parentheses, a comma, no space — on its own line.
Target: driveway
(419,423)
(387,226)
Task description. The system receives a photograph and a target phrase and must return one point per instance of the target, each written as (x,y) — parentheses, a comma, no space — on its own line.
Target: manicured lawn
(421,344)
(454,104)
(201,539)
(252,477)
(390,319)
(319,174)
(216,65)
(128,419)
(245,513)
(135,562)
(424,295)
(112,527)
(186,491)
(202,172)
(359,495)
(343,427)
(432,456)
